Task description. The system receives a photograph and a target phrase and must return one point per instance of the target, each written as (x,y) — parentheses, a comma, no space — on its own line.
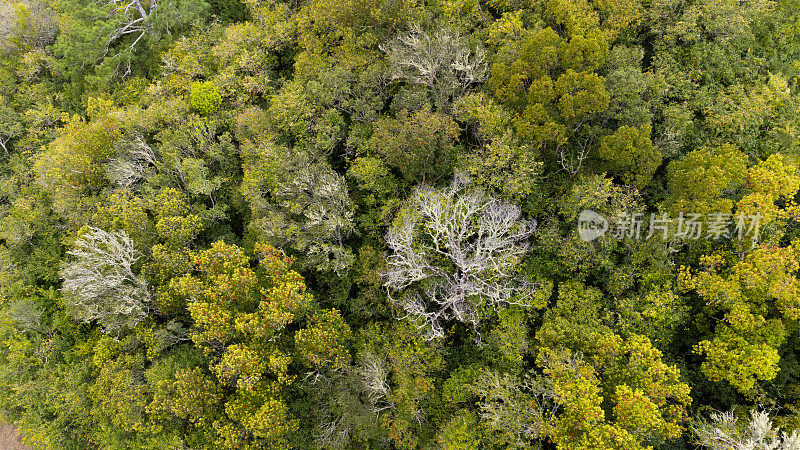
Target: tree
(442,61)
(770,183)
(697,182)
(656,313)
(247,55)
(607,256)
(611,391)
(398,367)
(250,323)
(119,397)
(26,25)
(134,159)
(726,432)
(420,146)
(550,82)
(299,203)
(507,167)
(322,343)
(75,158)
(175,223)
(10,127)
(461,431)
(204,97)
(454,253)
(109,34)
(344,412)
(515,412)
(630,154)
(101,284)
(713,65)
(758,297)
(72,168)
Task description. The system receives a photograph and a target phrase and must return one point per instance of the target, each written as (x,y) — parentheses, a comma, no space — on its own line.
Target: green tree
(204,97)
(421,146)
(757,297)
(629,153)
(697,183)
(241,318)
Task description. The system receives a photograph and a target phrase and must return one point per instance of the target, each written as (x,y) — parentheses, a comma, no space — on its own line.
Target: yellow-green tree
(243,320)
(758,297)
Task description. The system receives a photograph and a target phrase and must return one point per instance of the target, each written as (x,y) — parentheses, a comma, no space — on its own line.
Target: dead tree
(100,285)
(133,20)
(725,432)
(454,251)
(133,160)
(442,61)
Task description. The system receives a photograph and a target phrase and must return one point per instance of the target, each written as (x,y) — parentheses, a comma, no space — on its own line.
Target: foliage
(756,297)
(204,97)
(403,224)
(697,182)
(630,154)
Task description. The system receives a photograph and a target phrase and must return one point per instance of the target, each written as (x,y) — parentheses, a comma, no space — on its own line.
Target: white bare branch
(454,251)
(442,61)
(101,285)
(332,434)
(521,409)
(725,432)
(310,211)
(375,378)
(130,165)
(133,19)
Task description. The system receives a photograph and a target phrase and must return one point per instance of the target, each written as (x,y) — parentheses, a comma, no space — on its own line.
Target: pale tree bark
(100,283)
(454,251)
(134,157)
(442,61)
(374,375)
(134,20)
(725,432)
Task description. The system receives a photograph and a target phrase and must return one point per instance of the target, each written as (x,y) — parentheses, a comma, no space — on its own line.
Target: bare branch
(455,251)
(134,157)
(101,285)
(442,61)
(375,378)
(725,432)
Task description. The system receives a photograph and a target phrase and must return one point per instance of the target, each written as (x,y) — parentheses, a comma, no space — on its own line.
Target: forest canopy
(457,224)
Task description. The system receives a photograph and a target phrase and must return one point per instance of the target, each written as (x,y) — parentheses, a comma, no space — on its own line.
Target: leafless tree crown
(313,212)
(136,19)
(36,29)
(453,252)
(442,61)
(374,375)
(725,432)
(100,283)
(521,409)
(133,159)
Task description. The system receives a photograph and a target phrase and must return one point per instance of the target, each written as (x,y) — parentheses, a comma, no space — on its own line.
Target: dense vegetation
(363,223)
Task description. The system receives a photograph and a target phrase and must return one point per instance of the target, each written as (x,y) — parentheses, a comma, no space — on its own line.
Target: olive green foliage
(247,224)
